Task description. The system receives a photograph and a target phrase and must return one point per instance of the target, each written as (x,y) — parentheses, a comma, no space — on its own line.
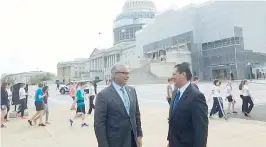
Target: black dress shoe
(42,125)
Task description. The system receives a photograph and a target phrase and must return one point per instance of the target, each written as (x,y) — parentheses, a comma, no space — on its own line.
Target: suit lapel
(182,99)
(117,98)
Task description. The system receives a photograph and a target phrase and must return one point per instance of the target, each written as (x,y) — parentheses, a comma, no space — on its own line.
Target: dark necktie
(176,101)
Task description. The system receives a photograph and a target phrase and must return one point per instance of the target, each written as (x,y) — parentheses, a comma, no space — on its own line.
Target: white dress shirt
(216,91)
(246,91)
(22,93)
(183,89)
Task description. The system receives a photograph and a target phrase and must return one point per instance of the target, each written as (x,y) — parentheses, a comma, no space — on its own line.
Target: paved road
(154,95)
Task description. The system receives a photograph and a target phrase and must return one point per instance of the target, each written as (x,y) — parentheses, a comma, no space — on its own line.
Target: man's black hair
(195,78)
(184,67)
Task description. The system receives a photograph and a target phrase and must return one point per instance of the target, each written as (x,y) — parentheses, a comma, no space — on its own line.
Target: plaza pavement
(231,133)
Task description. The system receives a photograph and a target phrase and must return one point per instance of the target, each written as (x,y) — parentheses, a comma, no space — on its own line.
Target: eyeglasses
(124,73)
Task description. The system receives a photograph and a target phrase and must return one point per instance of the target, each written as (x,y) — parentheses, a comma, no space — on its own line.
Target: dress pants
(133,144)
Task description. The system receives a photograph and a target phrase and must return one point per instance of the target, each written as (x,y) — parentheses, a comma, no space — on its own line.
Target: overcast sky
(40,33)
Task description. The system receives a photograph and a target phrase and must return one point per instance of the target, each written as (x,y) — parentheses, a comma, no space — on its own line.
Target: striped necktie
(125,100)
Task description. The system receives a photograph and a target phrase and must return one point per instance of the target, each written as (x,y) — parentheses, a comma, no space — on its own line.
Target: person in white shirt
(247,99)
(241,95)
(230,98)
(216,95)
(22,100)
(170,89)
(91,98)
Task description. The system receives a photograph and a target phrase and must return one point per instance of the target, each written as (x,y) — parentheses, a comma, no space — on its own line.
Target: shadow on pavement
(258,113)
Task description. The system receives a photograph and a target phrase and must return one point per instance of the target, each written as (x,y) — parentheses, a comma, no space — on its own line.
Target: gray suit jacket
(112,124)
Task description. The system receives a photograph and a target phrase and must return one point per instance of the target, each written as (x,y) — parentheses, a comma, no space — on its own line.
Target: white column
(113,59)
(96,64)
(109,61)
(101,63)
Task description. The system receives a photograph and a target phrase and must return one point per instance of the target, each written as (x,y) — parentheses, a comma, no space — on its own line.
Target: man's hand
(139,141)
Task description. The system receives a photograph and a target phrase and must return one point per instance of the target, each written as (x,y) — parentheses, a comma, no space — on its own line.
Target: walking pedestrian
(196,82)
(230,98)
(22,101)
(247,98)
(80,97)
(241,95)
(216,95)
(45,90)
(91,98)
(8,101)
(4,103)
(39,104)
(57,86)
(72,92)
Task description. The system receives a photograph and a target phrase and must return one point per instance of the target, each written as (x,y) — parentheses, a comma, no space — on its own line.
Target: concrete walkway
(232,133)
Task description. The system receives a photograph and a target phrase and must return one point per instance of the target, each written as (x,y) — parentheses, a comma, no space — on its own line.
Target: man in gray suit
(117,121)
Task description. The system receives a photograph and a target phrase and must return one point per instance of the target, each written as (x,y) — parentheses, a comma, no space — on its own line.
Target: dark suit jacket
(112,124)
(196,86)
(188,123)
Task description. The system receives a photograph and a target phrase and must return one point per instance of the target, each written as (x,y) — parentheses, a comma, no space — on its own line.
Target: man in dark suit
(117,121)
(188,121)
(195,82)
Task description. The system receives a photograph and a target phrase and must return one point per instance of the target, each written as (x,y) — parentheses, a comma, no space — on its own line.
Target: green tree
(41,77)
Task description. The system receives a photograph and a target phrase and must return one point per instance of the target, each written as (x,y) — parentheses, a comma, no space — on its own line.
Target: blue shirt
(118,90)
(80,97)
(38,94)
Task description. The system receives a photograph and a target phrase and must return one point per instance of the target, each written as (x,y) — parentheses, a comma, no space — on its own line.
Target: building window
(237,40)
(210,45)
(233,40)
(225,42)
(218,44)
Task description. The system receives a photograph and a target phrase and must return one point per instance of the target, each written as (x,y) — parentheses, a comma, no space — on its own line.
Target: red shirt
(45,98)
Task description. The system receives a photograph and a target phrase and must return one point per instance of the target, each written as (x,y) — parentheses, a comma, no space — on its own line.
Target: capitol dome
(138,5)
(135,14)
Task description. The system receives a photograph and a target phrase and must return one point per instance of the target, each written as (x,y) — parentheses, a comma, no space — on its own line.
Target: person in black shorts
(80,98)
(39,104)
(229,97)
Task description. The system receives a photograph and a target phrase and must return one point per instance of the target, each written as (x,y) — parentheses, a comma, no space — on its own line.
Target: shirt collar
(116,86)
(182,89)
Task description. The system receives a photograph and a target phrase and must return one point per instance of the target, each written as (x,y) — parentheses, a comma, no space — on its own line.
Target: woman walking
(241,95)
(230,98)
(247,99)
(72,93)
(46,109)
(22,101)
(4,103)
(216,95)
(80,97)
(39,104)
